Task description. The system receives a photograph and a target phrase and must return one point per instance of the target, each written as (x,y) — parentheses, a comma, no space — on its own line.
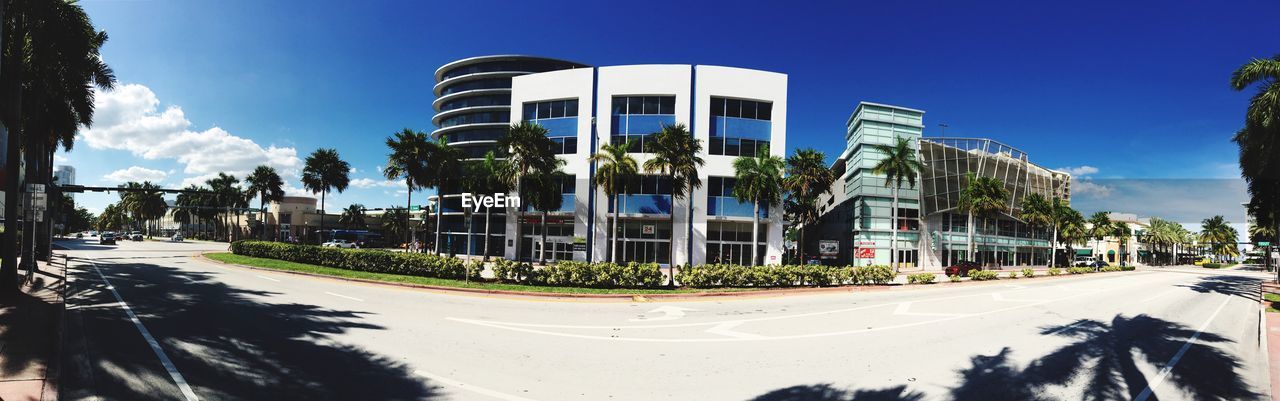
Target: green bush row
(366,260)
(921,278)
(581,274)
(1028,273)
(1212,265)
(1053,271)
(718,275)
(983,275)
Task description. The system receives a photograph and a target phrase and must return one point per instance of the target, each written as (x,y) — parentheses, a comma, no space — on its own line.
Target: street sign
(35,187)
(1264,243)
(38,200)
(414,208)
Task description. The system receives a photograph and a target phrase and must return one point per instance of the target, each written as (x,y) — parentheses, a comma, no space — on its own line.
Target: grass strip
(1273,302)
(274,264)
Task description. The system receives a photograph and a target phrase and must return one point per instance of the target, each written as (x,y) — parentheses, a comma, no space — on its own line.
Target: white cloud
(1087,187)
(60,158)
(1080,171)
(137,174)
(129,118)
(372,183)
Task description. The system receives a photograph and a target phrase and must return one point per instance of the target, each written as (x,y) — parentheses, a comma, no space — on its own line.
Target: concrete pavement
(230,334)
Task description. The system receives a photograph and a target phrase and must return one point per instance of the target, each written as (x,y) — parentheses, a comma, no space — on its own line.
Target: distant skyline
(1117,93)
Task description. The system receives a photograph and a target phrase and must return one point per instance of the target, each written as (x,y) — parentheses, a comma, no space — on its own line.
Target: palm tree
(899,164)
(352,216)
(527,151)
(409,152)
(982,197)
(1220,236)
(225,195)
(543,189)
(489,176)
(323,171)
(758,180)
(808,178)
(52,73)
(616,168)
(444,165)
(1122,233)
(1037,212)
(675,155)
(1259,139)
(1099,228)
(1072,229)
(394,222)
(266,185)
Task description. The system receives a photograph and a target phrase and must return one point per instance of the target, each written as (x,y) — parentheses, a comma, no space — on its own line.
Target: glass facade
(739,127)
(648,194)
(637,118)
(560,118)
(721,202)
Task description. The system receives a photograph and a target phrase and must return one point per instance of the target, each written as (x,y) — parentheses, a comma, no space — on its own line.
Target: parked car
(176,238)
(107,239)
(135,236)
(962,268)
(79,235)
(339,243)
(1098,264)
(1085,261)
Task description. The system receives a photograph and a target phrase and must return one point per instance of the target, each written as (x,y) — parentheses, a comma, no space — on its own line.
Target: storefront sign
(829,249)
(866,253)
(647,229)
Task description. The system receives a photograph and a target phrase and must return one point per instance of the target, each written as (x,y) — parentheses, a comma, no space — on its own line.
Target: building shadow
(1244,287)
(229,343)
(1102,359)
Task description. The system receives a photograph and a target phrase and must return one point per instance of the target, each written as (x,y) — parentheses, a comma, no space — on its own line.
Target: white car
(1084,261)
(339,243)
(176,238)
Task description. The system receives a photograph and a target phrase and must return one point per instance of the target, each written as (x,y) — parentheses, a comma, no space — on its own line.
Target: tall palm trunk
(969,248)
(542,253)
(613,233)
(755,232)
(893,232)
(408,204)
(1053,247)
(322,212)
(517,215)
(439,218)
(488,225)
(470,227)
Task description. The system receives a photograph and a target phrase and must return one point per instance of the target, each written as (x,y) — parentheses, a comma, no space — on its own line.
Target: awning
(1111,252)
(1084,252)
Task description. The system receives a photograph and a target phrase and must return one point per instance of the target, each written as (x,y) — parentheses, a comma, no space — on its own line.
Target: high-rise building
(931,225)
(732,112)
(472,110)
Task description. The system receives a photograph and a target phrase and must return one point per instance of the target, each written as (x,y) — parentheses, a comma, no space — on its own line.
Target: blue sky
(1132,90)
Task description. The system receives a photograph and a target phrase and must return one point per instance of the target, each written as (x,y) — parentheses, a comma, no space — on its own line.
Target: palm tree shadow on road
(1100,353)
(227,342)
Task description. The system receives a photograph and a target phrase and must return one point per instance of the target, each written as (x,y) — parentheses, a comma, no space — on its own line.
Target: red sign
(866,253)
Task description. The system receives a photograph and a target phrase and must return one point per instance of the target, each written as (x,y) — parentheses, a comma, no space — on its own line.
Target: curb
(639,297)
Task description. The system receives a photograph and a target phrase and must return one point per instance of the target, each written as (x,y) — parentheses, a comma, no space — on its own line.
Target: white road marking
(726,329)
(668,313)
(266,278)
(1164,372)
(344,296)
(475,389)
(995,296)
(155,345)
(1161,294)
(904,309)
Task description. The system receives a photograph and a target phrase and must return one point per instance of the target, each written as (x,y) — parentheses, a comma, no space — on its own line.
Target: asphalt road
(177,328)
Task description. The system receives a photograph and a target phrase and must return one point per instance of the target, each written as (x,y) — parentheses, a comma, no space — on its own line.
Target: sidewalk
(30,333)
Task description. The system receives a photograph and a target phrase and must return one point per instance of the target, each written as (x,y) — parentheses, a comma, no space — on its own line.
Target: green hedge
(719,275)
(581,274)
(1212,265)
(366,260)
(983,275)
(921,278)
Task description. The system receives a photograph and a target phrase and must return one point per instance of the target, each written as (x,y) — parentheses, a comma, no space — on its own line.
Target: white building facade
(732,112)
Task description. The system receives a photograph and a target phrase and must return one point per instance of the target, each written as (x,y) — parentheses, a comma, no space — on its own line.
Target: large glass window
(474,101)
(637,118)
(730,242)
(648,194)
(560,118)
(477,118)
(739,127)
(491,83)
(721,202)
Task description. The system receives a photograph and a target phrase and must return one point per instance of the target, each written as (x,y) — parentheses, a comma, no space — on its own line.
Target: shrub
(1110,269)
(511,271)
(1053,271)
(876,274)
(955,278)
(1013,275)
(983,275)
(598,275)
(1080,270)
(1128,268)
(1028,273)
(1212,265)
(921,278)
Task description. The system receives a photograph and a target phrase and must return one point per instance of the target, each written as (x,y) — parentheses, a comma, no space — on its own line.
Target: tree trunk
(439,217)
(516,215)
(613,233)
(322,212)
(969,248)
(542,253)
(470,227)
(488,225)
(408,204)
(755,232)
(893,232)
(1053,247)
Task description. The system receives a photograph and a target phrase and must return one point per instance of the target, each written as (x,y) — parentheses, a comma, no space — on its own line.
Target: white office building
(731,111)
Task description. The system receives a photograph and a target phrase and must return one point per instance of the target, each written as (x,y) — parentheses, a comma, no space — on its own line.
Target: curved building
(472,110)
